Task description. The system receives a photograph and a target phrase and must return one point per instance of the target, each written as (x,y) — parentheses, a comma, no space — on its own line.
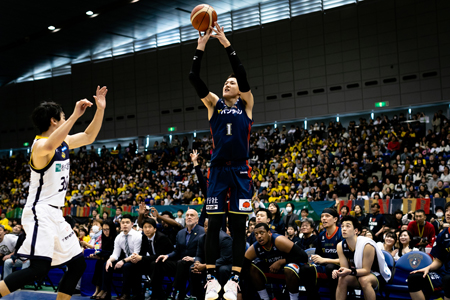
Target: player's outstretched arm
(45,147)
(90,134)
(208,98)
(238,68)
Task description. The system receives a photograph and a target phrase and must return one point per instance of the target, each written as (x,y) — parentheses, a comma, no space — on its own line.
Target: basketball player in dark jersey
(366,273)
(325,260)
(273,256)
(230,120)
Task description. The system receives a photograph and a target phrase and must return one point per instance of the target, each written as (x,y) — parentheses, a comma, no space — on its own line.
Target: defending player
(50,240)
(437,275)
(230,120)
(274,256)
(325,259)
(362,262)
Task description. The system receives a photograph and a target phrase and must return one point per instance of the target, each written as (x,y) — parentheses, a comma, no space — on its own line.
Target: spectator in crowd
(405,238)
(101,254)
(359,214)
(12,242)
(223,263)
(290,217)
(368,234)
(292,234)
(308,239)
(277,221)
(389,243)
(178,262)
(375,221)
(128,241)
(422,231)
(344,211)
(154,244)
(262,216)
(438,220)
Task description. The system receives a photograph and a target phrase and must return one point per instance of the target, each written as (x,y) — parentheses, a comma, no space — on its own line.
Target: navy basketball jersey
(230,129)
(441,250)
(326,246)
(269,256)
(350,256)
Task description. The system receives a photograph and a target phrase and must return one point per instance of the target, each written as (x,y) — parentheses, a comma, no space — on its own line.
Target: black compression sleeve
(194,75)
(296,255)
(238,69)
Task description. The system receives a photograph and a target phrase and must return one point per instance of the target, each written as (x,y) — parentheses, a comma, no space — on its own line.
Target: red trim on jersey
(330,237)
(212,136)
(249,170)
(248,137)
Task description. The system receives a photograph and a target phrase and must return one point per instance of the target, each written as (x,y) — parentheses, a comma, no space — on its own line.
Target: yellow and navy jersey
(49,184)
(327,245)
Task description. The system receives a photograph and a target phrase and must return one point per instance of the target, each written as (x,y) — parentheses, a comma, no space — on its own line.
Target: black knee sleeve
(212,239)
(237,223)
(38,268)
(416,283)
(75,269)
(446,285)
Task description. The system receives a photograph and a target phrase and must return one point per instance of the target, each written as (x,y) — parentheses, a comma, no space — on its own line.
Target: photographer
(422,231)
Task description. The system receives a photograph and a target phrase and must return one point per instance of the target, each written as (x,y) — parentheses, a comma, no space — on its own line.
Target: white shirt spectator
(8,244)
(134,243)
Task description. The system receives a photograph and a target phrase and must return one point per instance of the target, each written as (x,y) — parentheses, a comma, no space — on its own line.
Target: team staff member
(326,259)
(50,239)
(362,262)
(230,120)
(436,276)
(274,256)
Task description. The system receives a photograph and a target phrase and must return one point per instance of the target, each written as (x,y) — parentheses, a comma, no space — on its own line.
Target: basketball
(203,16)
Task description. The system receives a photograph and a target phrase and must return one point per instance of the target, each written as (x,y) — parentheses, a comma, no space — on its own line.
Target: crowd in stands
(376,159)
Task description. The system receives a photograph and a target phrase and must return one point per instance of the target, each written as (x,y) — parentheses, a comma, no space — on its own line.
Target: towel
(361,242)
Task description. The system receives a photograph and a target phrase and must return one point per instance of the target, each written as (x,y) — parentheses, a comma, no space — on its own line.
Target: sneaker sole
(218,291)
(226,298)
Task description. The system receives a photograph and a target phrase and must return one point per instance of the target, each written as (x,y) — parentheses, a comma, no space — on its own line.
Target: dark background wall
(321,64)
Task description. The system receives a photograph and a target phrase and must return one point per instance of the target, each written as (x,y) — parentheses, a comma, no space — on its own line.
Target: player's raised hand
(194,155)
(203,39)
(80,107)
(100,97)
(220,35)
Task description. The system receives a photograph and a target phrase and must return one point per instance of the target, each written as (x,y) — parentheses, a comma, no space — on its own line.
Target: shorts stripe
(36,224)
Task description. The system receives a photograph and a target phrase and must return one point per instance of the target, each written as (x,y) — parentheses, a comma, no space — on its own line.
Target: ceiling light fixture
(56,30)
(89,13)
(51,28)
(93,16)
(134,1)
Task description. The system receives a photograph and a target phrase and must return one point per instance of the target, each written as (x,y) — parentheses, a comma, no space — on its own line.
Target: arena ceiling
(27,46)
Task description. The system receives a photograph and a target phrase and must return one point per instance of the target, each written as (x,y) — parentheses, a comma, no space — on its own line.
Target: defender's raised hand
(100,97)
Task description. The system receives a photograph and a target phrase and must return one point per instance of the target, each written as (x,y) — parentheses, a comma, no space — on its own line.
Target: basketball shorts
(435,280)
(49,236)
(234,179)
(264,268)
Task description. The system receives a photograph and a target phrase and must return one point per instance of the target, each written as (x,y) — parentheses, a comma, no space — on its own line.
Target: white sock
(293,296)
(263,295)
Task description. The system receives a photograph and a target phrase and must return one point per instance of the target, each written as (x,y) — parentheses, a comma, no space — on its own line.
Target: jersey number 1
(229,128)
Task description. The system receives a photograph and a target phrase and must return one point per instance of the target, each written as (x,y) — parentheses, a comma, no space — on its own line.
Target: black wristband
(353,273)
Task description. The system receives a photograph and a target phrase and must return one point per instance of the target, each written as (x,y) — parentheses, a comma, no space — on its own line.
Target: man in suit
(154,244)
(178,262)
(223,263)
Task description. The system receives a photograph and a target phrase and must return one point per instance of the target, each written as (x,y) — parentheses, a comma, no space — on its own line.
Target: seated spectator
(344,212)
(105,249)
(440,190)
(375,221)
(277,221)
(389,243)
(273,254)
(290,217)
(366,270)
(405,239)
(292,234)
(262,216)
(128,241)
(438,220)
(422,283)
(180,218)
(178,262)
(359,214)
(308,239)
(153,244)
(303,214)
(367,233)
(95,237)
(223,266)
(422,231)
(12,242)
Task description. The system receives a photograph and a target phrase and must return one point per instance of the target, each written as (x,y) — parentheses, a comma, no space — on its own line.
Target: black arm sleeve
(194,75)
(296,255)
(238,70)
(201,180)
